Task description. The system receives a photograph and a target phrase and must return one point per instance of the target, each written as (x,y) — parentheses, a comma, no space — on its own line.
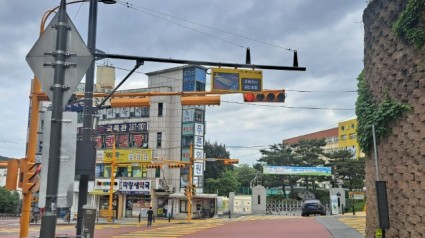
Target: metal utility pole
(48,222)
(86,150)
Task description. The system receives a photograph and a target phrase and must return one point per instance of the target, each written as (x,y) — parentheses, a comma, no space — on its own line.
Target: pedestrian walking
(198,208)
(150,216)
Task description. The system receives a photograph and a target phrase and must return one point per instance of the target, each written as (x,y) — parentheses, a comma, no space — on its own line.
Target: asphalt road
(246,227)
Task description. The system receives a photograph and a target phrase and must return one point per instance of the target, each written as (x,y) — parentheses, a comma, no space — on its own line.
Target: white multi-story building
(144,135)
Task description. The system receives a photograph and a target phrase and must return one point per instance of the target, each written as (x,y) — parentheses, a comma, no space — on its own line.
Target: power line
(132,6)
(289,107)
(321,91)
(214,28)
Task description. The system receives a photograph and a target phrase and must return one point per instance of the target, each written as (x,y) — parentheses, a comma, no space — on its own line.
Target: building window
(352,136)
(136,172)
(99,170)
(160,109)
(199,86)
(158,139)
(343,137)
(342,128)
(158,173)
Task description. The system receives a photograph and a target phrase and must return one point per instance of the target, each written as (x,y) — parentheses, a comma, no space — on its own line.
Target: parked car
(312,206)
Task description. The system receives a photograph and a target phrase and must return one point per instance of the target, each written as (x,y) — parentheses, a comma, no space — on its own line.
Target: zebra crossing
(358,223)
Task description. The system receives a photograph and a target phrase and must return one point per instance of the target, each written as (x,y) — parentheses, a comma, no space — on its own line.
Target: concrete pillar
(258,200)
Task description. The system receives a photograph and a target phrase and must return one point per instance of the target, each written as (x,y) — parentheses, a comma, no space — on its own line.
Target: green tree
(9,201)
(303,153)
(215,150)
(350,171)
(278,155)
(245,174)
(307,153)
(227,182)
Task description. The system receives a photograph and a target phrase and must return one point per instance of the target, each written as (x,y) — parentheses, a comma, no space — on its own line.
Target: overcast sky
(328,35)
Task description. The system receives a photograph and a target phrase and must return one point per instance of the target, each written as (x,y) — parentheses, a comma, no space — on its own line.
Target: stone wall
(395,68)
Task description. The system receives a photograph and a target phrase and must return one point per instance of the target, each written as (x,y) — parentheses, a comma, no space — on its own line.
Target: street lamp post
(48,223)
(86,151)
(85,148)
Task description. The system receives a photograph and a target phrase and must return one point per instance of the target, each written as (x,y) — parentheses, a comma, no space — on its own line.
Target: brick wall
(396,68)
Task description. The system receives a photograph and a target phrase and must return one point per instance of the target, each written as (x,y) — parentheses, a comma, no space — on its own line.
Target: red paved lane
(282,228)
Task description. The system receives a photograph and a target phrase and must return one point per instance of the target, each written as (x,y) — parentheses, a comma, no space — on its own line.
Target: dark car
(313,206)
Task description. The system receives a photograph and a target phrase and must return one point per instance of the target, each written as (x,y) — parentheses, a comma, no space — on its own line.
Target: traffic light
(193,189)
(154,166)
(12,174)
(231,161)
(200,100)
(27,174)
(130,102)
(265,96)
(176,165)
(187,192)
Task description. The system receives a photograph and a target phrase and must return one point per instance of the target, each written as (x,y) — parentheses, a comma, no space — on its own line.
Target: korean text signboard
(236,80)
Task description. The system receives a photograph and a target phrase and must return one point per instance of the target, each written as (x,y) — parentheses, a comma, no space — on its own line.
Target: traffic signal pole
(111,186)
(86,142)
(190,182)
(32,145)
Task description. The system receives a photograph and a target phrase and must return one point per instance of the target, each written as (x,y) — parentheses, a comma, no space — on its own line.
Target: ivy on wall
(371,113)
(406,26)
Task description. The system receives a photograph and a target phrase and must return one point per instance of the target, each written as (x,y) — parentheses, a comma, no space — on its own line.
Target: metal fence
(285,207)
(9,216)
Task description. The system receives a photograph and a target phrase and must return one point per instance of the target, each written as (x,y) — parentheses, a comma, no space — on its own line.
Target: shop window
(183,206)
(107,171)
(122,172)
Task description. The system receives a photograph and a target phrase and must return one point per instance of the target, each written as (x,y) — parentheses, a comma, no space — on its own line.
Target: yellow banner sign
(125,156)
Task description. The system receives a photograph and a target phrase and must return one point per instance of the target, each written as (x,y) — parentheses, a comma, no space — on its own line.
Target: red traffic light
(265,96)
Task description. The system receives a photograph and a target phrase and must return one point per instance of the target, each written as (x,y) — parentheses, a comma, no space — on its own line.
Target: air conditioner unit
(169,188)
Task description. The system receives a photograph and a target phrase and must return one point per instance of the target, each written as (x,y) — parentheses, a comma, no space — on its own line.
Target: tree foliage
(245,174)
(215,168)
(345,168)
(227,182)
(9,201)
(303,153)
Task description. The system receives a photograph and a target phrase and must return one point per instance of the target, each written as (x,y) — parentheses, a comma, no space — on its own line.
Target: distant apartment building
(343,137)
(347,133)
(330,136)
